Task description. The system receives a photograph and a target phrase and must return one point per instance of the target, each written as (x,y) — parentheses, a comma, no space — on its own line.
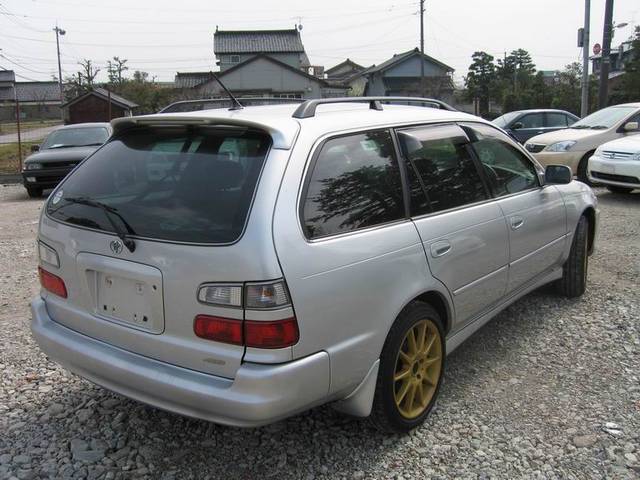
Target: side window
(355,183)
(439,160)
(556,120)
(532,120)
(507,169)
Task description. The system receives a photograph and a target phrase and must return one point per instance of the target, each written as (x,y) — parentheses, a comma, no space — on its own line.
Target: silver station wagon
(244,265)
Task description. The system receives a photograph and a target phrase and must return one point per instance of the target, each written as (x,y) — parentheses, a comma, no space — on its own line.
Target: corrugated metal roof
(257,41)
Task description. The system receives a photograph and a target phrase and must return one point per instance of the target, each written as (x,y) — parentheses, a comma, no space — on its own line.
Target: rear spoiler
(282,135)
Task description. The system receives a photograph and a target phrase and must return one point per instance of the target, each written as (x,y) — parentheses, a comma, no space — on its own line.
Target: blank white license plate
(130,300)
(606,168)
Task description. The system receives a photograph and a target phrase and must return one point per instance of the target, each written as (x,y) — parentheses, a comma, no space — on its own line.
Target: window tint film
(178,184)
(444,168)
(507,169)
(555,120)
(355,184)
(532,120)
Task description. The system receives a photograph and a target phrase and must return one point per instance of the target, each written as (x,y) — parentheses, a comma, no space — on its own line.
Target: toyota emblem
(116,246)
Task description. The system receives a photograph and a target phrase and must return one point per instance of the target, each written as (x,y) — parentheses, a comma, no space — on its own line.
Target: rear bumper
(259,394)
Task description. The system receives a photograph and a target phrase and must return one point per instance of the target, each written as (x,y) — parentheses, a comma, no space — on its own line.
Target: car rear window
(184,184)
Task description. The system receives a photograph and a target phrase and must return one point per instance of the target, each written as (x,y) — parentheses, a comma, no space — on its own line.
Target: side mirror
(558,174)
(630,127)
(517,126)
(35,148)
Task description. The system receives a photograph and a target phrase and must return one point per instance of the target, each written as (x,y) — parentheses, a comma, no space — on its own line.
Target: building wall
(411,68)
(29,111)
(296,60)
(93,109)
(263,77)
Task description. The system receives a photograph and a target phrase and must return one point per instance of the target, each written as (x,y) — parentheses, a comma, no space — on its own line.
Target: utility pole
(59,32)
(603,91)
(584,104)
(422,48)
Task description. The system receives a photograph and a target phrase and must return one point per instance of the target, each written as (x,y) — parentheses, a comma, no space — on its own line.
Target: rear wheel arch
(590,214)
(441,305)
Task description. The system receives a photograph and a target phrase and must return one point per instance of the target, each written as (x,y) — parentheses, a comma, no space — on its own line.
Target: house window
(235,58)
(287,95)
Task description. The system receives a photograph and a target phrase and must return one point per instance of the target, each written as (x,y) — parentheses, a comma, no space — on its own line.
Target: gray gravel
(549,389)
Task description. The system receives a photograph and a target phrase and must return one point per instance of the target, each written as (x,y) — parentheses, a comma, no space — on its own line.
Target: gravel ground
(548,389)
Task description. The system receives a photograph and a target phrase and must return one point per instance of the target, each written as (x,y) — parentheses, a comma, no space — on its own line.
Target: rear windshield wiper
(108,211)
(96,144)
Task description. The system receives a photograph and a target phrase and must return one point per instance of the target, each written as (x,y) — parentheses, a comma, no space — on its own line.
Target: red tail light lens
(52,283)
(220,329)
(278,334)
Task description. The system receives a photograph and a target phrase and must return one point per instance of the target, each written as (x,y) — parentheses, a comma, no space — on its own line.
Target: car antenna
(235,104)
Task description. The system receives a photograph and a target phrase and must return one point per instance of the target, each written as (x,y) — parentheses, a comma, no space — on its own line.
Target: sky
(163,37)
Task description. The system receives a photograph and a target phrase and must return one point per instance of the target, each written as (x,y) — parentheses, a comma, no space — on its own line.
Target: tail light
(278,334)
(251,333)
(52,283)
(220,329)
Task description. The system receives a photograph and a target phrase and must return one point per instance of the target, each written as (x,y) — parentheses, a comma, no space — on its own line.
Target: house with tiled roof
(232,47)
(38,100)
(400,75)
(260,63)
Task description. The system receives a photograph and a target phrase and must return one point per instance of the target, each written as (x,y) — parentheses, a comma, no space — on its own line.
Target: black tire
(34,192)
(620,190)
(582,169)
(574,272)
(386,414)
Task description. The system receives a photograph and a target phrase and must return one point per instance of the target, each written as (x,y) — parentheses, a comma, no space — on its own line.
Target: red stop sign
(597,49)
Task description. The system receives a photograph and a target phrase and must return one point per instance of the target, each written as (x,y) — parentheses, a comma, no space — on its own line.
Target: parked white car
(574,146)
(616,164)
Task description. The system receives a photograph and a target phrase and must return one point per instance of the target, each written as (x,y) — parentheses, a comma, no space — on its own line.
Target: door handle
(438,249)
(516,222)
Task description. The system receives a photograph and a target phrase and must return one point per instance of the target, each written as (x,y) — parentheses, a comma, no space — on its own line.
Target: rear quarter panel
(346,290)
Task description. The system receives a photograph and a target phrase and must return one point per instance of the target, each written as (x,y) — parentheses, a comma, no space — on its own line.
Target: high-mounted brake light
(52,283)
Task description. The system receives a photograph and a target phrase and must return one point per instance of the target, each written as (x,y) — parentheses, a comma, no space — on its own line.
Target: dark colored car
(59,153)
(524,124)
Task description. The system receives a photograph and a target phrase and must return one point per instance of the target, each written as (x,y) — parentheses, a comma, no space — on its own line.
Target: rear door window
(191,185)
(355,183)
(439,160)
(556,120)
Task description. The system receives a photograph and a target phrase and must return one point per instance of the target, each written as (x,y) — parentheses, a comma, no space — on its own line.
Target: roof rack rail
(307,109)
(209,103)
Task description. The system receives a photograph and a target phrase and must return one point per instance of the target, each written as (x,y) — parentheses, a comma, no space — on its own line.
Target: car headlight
(32,166)
(561,146)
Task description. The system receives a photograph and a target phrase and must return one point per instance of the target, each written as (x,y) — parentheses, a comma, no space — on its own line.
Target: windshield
(505,119)
(178,184)
(76,137)
(605,118)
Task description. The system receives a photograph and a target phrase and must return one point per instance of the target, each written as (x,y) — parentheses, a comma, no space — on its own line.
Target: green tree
(629,89)
(147,94)
(516,76)
(481,79)
(567,90)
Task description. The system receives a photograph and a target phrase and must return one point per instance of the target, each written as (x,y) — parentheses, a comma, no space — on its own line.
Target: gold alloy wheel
(417,370)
